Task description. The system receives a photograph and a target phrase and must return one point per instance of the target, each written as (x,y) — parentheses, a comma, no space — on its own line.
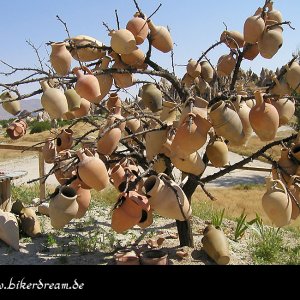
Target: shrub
(37,127)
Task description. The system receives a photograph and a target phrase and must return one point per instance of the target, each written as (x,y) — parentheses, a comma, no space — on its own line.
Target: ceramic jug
(193,68)
(207,72)
(73,99)
(285,108)
(49,151)
(253,28)
(232,39)
(217,152)
(60,58)
(154,142)
(168,113)
(64,140)
(274,15)
(108,143)
(17,129)
(135,59)
(152,97)
(281,88)
(191,164)
(226,65)
(122,41)
(293,76)
(13,107)
(83,110)
(138,26)
(9,229)
(294,189)
(251,51)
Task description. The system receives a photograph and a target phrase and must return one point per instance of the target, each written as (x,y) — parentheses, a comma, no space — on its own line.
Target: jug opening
(144,216)
(296,149)
(149,184)
(154,254)
(68,192)
(58,142)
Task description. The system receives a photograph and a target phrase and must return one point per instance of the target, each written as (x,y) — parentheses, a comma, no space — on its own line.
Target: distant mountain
(26,104)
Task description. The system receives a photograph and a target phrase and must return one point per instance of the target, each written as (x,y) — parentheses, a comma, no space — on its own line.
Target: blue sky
(194,24)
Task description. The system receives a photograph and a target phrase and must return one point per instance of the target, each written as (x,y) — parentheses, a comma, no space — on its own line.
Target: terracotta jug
(82,52)
(202,85)
(83,198)
(285,108)
(164,200)
(129,212)
(138,26)
(243,111)
(105,80)
(60,58)
(217,152)
(30,224)
(83,110)
(281,88)
(63,207)
(226,65)
(134,125)
(271,40)
(129,164)
(49,151)
(152,97)
(264,118)
(168,113)
(73,99)
(154,142)
(9,229)
(155,257)
(193,68)
(16,129)
(13,107)
(122,41)
(53,101)
(227,122)
(207,72)
(114,101)
(87,86)
(188,81)
(118,175)
(295,151)
(135,59)
(215,244)
(294,189)
(227,37)
(276,203)
(199,108)
(44,209)
(64,140)
(251,52)
(159,165)
(116,117)
(108,143)
(287,164)
(160,37)
(63,168)
(293,76)
(253,28)
(121,80)
(147,219)
(190,136)
(191,164)
(274,15)
(92,171)
(126,257)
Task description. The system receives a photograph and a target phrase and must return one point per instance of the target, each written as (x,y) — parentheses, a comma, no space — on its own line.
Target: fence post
(42,174)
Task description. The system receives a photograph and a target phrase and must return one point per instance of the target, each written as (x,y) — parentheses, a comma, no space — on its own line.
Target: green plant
(242,226)
(37,127)
(51,241)
(217,218)
(25,193)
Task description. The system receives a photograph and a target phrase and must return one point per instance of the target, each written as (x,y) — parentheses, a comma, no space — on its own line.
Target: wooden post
(5,195)
(42,174)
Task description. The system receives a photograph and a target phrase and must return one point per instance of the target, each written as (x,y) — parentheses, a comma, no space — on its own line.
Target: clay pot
(53,101)
(193,68)
(154,143)
(202,85)
(63,172)
(92,171)
(227,122)
(129,164)
(154,257)
(243,111)
(160,37)
(63,207)
(276,203)
(217,152)
(147,218)
(30,224)
(226,65)
(168,114)
(254,28)
(199,109)
(264,118)
(251,52)
(135,59)
(159,165)
(105,80)
(9,229)
(129,213)
(207,72)
(118,175)
(49,151)
(60,59)
(113,101)
(294,188)
(86,54)
(152,97)
(295,151)
(163,199)
(139,28)
(73,99)
(271,40)
(83,110)
(188,81)
(215,244)
(281,88)
(12,108)
(87,86)
(126,257)
(287,164)
(64,140)
(121,80)
(274,15)
(43,209)
(190,136)
(134,125)
(83,198)
(116,117)
(191,164)
(285,108)
(16,129)
(293,76)
(122,41)
(227,37)
(108,143)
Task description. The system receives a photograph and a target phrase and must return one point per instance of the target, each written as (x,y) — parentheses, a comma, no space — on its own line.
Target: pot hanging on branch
(254,27)
(152,97)
(217,152)
(12,107)
(138,26)
(122,41)
(60,58)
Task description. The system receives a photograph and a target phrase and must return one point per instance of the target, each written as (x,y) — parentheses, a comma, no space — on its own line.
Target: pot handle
(84,68)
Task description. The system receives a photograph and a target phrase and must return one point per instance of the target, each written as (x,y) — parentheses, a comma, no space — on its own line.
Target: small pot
(126,257)
(154,257)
